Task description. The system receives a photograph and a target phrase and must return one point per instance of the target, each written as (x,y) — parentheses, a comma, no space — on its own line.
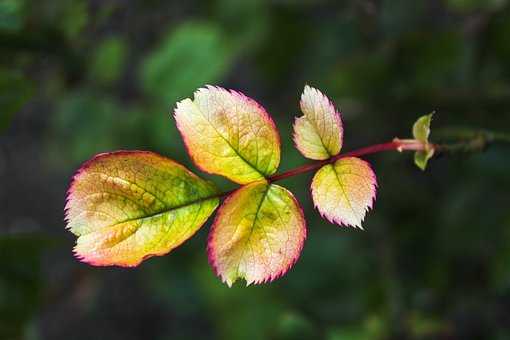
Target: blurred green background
(80,77)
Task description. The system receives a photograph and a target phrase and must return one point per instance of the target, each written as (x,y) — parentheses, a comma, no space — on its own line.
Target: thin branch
(465,141)
(395,145)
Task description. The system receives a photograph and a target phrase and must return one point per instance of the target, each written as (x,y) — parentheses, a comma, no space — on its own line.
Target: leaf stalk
(395,145)
(468,143)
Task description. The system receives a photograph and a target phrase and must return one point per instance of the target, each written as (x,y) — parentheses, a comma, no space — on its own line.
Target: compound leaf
(344,191)
(130,205)
(257,235)
(318,134)
(229,134)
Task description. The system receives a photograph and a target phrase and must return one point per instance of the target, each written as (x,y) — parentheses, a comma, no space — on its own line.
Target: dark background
(82,77)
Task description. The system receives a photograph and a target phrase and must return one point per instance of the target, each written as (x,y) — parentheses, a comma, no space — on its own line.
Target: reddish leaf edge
(340,222)
(87,164)
(210,240)
(338,117)
(241,96)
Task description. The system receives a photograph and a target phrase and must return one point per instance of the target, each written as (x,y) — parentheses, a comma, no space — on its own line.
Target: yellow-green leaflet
(344,191)
(421,132)
(257,235)
(318,134)
(129,205)
(229,134)
(421,128)
(126,206)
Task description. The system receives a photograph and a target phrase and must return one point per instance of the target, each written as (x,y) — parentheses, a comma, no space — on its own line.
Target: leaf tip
(318,134)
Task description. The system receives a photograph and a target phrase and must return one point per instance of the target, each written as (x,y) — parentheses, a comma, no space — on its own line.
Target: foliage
(128,206)
(434,251)
(109,60)
(204,49)
(421,132)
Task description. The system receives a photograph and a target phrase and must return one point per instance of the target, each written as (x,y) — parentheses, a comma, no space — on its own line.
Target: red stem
(396,144)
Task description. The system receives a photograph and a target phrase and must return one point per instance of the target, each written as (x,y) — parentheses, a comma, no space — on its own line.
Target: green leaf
(318,134)
(195,53)
(257,235)
(127,206)
(108,60)
(229,134)
(421,128)
(421,158)
(188,56)
(421,132)
(343,192)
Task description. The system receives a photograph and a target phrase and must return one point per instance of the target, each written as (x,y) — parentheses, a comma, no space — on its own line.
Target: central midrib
(259,206)
(160,212)
(229,144)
